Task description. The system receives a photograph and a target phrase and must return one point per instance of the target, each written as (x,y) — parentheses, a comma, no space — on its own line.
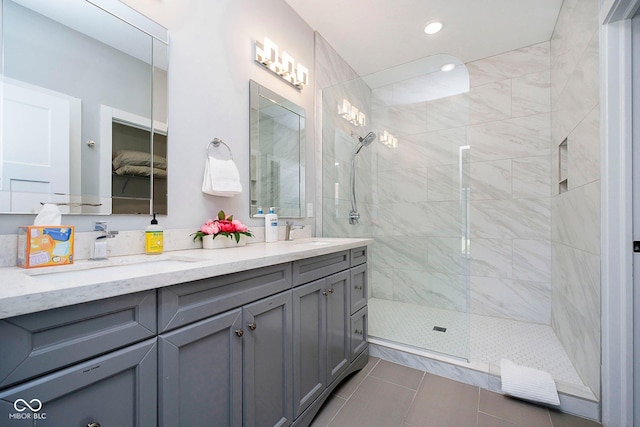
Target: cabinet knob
(93,425)
(239,332)
(330,290)
(253,326)
(324,293)
(358,332)
(358,287)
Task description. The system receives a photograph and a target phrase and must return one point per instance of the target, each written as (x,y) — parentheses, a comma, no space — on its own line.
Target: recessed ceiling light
(433,27)
(447,67)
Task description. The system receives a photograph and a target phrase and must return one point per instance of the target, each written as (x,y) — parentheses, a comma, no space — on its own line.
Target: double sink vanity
(255,335)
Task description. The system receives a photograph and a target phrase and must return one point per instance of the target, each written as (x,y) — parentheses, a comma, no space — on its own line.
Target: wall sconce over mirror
(284,66)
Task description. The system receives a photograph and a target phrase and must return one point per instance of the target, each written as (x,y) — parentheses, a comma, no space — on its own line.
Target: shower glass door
(412,188)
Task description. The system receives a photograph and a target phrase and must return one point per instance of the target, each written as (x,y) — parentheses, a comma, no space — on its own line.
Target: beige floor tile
(350,384)
(559,419)
(515,411)
(441,402)
(398,374)
(485,420)
(375,403)
(329,410)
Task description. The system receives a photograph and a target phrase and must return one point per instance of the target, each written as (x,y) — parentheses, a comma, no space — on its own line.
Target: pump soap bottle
(271,226)
(153,238)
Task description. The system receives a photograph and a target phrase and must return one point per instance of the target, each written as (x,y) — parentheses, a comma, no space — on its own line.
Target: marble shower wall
(410,197)
(575,209)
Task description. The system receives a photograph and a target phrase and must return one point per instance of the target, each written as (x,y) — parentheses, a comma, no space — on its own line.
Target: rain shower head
(368,139)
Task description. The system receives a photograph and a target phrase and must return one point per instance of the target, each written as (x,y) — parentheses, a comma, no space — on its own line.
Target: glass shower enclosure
(412,190)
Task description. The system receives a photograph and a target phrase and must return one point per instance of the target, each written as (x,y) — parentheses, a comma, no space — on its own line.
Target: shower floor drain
(439,329)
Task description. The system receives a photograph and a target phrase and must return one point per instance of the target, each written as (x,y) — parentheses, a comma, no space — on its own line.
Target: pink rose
(239,226)
(210,227)
(226,226)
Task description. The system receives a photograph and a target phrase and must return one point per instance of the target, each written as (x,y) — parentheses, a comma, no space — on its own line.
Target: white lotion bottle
(271,226)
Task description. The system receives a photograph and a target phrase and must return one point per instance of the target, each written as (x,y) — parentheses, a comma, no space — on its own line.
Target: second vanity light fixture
(284,66)
(352,114)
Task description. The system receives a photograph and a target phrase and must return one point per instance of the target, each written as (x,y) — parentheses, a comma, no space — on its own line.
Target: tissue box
(42,246)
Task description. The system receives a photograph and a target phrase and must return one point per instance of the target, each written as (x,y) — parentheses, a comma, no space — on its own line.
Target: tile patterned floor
(473,337)
(384,394)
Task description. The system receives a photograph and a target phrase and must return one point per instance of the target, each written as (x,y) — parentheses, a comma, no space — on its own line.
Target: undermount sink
(89,269)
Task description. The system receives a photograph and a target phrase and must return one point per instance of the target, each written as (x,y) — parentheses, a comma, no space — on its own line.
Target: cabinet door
(338,324)
(267,324)
(118,389)
(309,344)
(200,373)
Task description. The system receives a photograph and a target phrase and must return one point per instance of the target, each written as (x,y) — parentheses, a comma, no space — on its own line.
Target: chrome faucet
(290,226)
(99,248)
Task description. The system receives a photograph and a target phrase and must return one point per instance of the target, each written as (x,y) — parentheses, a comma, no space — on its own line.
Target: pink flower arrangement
(224,225)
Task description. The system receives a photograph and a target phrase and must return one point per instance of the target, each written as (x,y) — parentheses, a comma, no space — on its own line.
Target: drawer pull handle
(358,332)
(252,326)
(239,332)
(358,287)
(93,425)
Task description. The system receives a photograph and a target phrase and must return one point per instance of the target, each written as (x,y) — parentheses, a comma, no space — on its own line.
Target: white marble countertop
(25,291)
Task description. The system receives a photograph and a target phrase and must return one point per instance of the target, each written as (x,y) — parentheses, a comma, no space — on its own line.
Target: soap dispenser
(271,226)
(153,238)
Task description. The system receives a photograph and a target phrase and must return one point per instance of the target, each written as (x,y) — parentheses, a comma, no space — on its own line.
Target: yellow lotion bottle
(153,238)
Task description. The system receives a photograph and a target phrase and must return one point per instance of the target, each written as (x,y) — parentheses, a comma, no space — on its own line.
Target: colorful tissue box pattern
(41,246)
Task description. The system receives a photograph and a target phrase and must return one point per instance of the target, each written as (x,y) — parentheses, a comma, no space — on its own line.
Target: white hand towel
(221,178)
(528,383)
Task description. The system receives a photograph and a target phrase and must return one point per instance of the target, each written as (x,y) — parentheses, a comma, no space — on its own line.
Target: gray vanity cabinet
(320,336)
(200,373)
(117,389)
(268,379)
(232,368)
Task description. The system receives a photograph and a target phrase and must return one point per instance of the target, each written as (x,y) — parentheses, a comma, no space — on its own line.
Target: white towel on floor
(528,383)
(221,178)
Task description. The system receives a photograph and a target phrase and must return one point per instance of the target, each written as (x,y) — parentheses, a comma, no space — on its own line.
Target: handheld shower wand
(354,216)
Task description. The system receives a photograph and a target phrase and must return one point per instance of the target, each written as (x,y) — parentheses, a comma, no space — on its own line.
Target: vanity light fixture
(389,140)
(447,67)
(433,27)
(283,65)
(352,114)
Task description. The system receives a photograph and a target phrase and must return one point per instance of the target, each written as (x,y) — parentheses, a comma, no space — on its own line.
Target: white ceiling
(374,35)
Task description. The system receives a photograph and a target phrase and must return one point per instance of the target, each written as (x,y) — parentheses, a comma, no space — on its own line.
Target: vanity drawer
(358,287)
(358,332)
(358,256)
(186,303)
(49,340)
(310,269)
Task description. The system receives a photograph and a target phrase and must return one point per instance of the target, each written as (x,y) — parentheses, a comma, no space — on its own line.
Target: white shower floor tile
(473,337)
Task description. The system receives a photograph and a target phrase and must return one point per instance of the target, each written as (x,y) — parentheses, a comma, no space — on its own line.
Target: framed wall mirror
(84,108)
(277,153)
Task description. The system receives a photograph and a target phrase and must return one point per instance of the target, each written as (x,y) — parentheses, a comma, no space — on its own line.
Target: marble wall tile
(447,113)
(443,183)
(402,120)
(511,64)
(576,218)
(580,95)
(381,283)
(445,255)
(406,252)
(509,139)
(410,184)
(490,102)
(511,299)
(437,147)
(532,260)
(490,180)
(413,151)
(575,27)
(583,148)
(531,177)
(331,69)
(511,219)
(439,290)
(492,258)
(531,94)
